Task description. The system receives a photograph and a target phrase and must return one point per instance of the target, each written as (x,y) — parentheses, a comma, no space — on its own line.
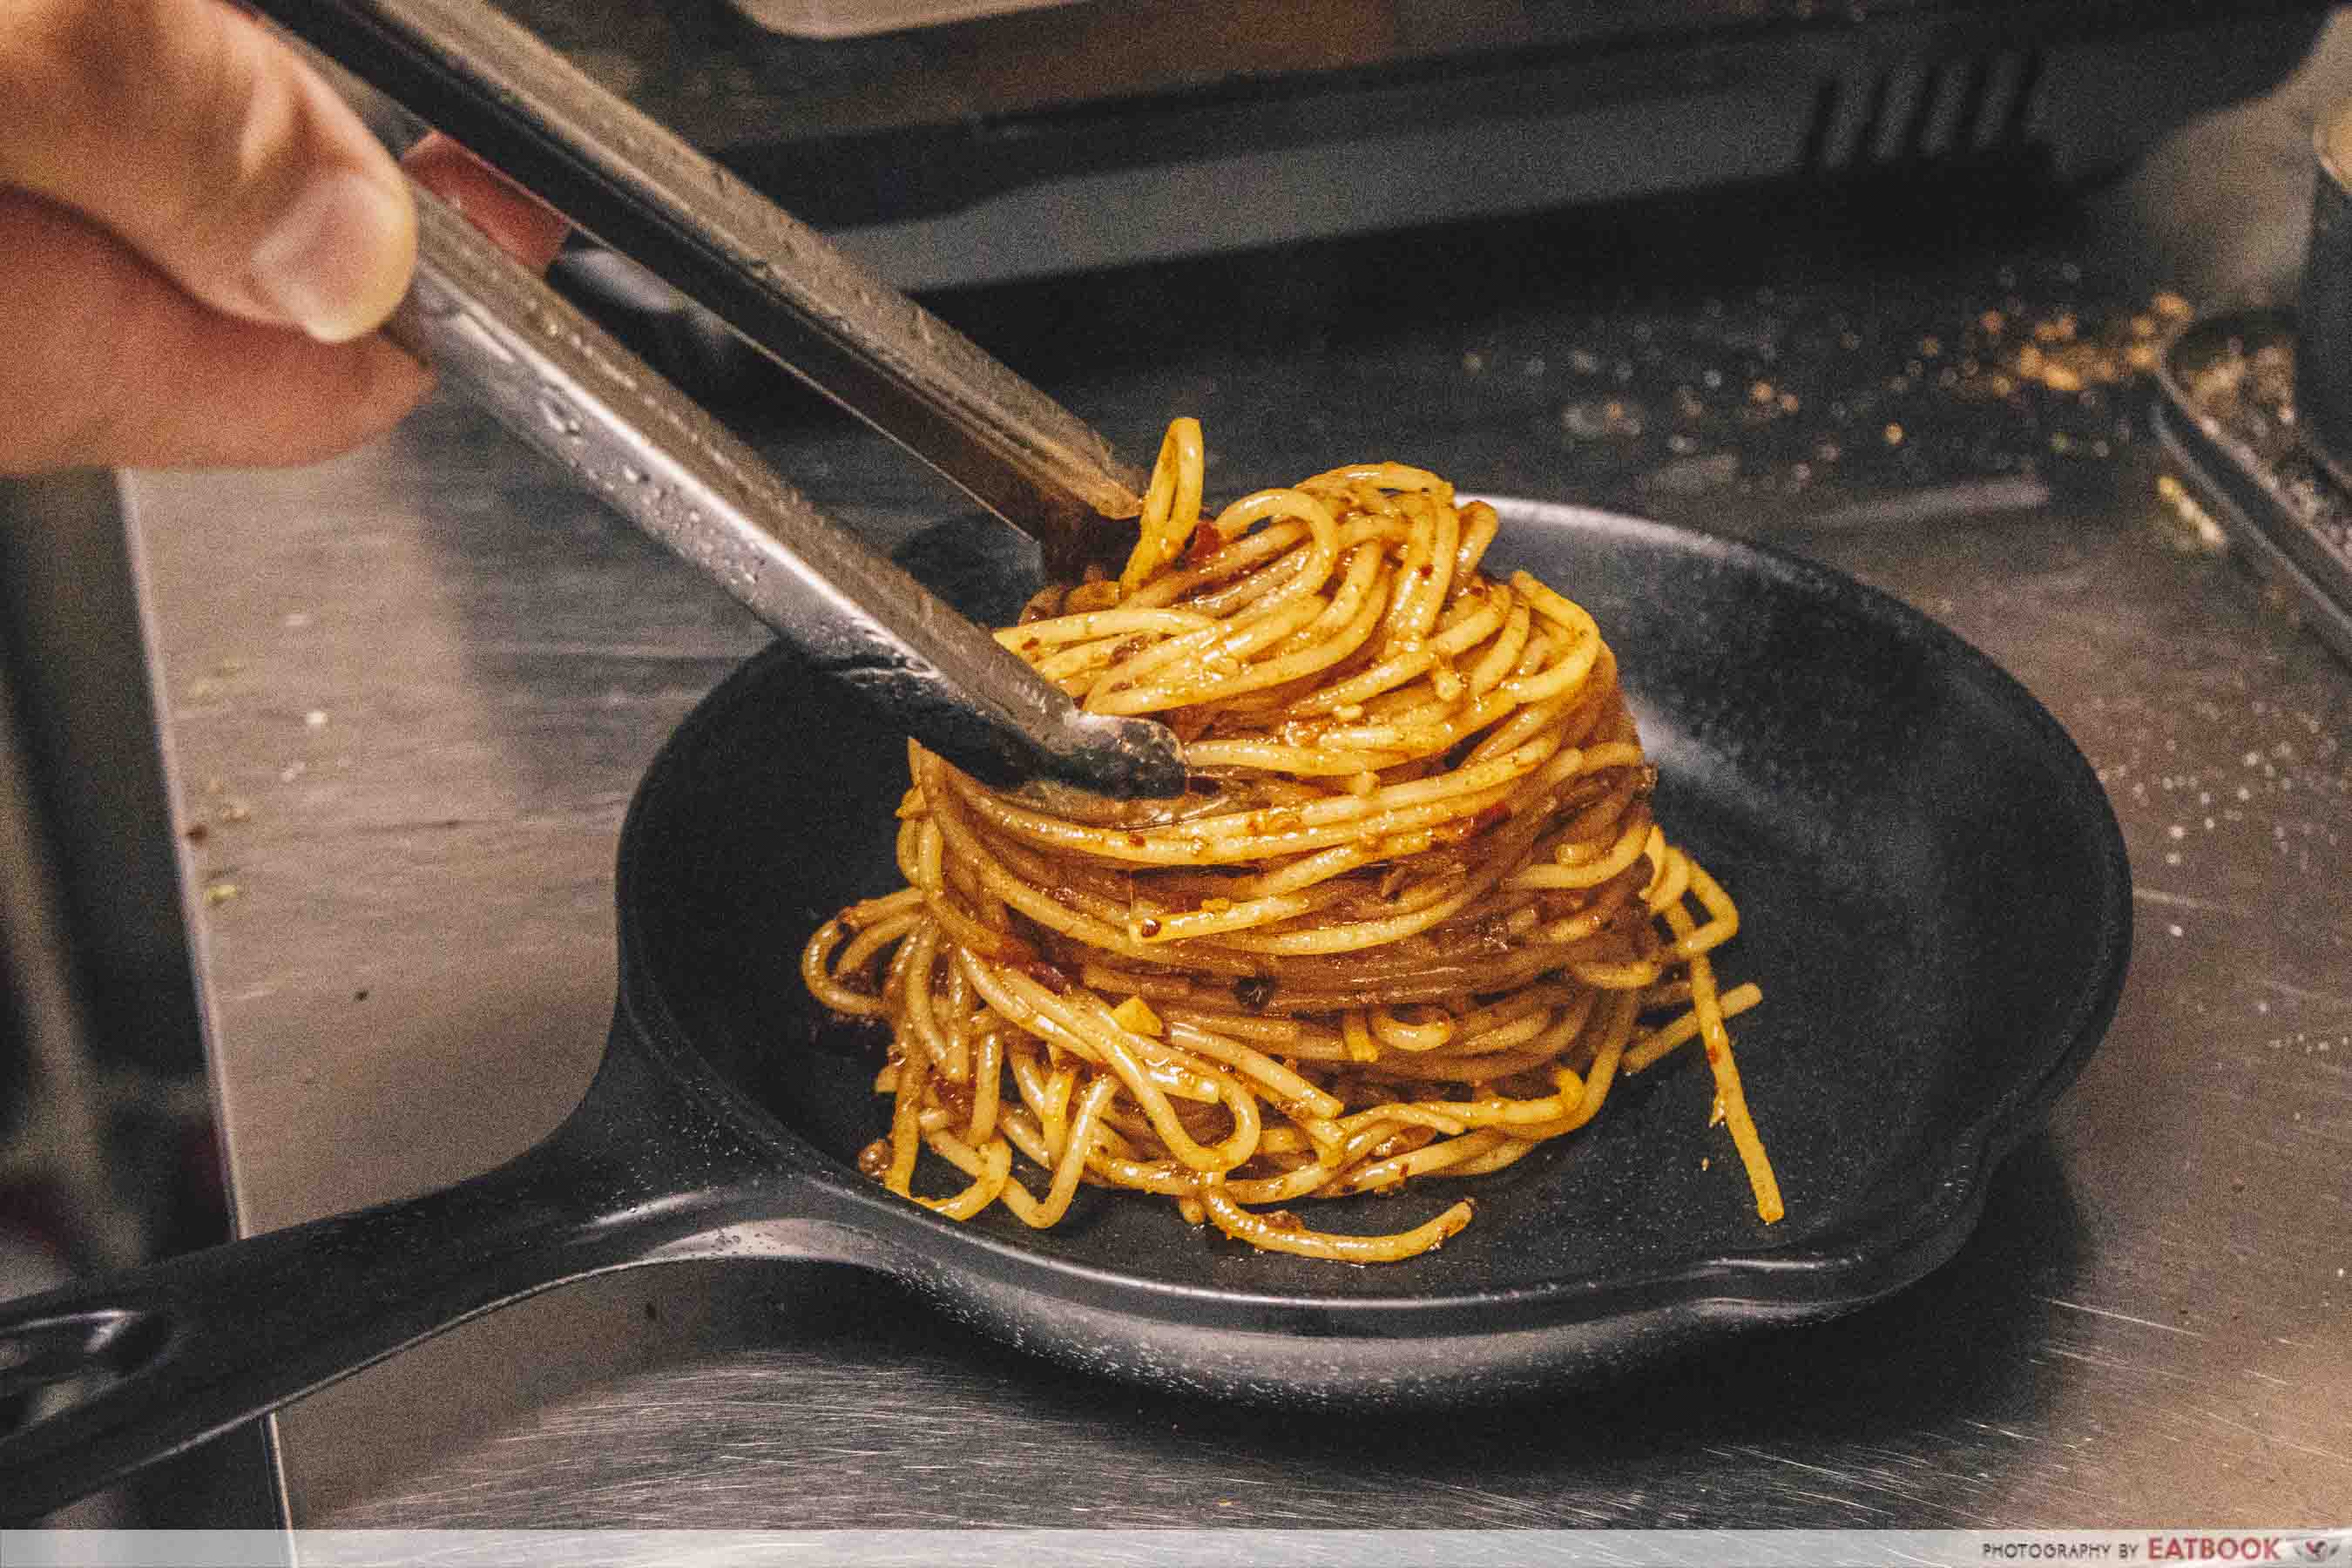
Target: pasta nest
(1411,919)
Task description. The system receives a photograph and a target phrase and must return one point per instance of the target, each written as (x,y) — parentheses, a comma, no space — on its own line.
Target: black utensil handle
(159,1358)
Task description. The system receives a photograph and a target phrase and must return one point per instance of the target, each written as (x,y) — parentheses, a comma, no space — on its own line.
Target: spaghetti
(1414,919)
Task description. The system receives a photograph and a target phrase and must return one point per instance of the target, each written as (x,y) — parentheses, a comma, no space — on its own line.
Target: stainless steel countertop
(409,693)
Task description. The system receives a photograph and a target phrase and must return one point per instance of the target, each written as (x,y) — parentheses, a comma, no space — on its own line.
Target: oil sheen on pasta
(1412,920)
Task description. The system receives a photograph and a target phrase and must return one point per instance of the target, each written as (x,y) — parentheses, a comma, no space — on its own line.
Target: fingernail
(338,262)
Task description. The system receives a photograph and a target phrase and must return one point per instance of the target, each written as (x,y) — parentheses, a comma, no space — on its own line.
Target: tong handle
(629,181)
(558,383)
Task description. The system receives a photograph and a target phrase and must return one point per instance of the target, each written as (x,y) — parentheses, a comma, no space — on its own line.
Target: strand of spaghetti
(1609,1047)
(1246,597)
(817,975)
(1232,564)
(1025,896)
(1385,475)
(1474,1028)
(1413,569)
(1672,884)
(1306,1181)
(1210,658)
(1390,1116)
(1152,921)
(1648,1048)
(1023,1134)
(1480,522)
(1601,907)
(1046,1092)
(1389,1174)
(1604,813)
(1727,1088)
(921,956)
(1561,678)
(1412,897)
(906,1132)
(1321,549)
(1247,1027)
(1269,756)
(1374,1134)
(867,913)
(1466,626)
(1355,934)
(967,930)
(1470,621)
(1508,1037)
(987,1083)
(907,849)
(1220,648)
(1567,1096)
(893,982)
(1382,678)
(1342,626)
(1282,832)
(1426,593)
(1436,982)
(1410,1035)
(1562,1031)
(1723,917)
(1608,976)
(1613,754)
(1360,596)
(1031,1006)
(1148,1081)
(1275,1144)
(1293,1094)
(1235,1149)
(1097,625)
(1084,1120)
(1425,730)
(969,895)
(1502,655)
(1374,933)
(1306,871)
(869,942)
(1509,1152)
(1268,1236)
(1230,840)
(990,1166)
(1407,1070)
(1165,1177)
(1171,506)
(1592,874)
(1531,718)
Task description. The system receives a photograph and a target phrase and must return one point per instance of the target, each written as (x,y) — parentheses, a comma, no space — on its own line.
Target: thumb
(208,147)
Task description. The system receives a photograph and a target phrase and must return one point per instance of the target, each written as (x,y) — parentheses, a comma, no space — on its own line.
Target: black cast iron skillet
(1937,904)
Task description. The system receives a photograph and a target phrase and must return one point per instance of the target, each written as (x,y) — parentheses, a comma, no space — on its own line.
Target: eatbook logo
(2331,1548)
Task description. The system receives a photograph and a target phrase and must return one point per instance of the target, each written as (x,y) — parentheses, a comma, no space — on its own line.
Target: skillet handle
(156,1359)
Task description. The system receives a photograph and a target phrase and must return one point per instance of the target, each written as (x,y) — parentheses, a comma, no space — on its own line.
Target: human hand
(200,240)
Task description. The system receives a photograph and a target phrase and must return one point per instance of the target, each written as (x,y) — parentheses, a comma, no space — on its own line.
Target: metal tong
(563,385)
